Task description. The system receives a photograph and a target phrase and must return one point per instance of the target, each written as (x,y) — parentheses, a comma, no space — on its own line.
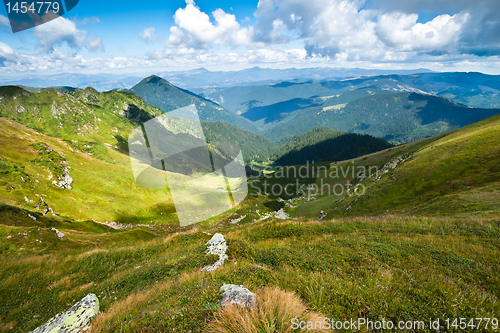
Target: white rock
(58,233)
(76,319)
(237,294)
(217,245)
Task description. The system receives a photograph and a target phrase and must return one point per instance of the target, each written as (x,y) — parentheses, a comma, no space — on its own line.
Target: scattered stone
(76,319)
(281,214)
(58,233)
(237,294)
(217,245)
(9,237)
(65,180)
(27,200)
(32,217)
(322,215)
(43,205)
(237,219)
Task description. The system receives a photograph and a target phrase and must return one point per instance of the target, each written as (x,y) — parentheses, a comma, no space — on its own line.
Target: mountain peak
(154,79)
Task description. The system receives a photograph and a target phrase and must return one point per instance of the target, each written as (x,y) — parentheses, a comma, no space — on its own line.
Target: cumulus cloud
(351,30)
(348,33)
(329,27)
(403,33)
(148,34)
(194,29)
(57,32)
(7,53)
(479,35)
(347,30)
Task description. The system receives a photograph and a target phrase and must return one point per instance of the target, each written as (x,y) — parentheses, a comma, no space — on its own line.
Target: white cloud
(194,29)
(95,44)
(57,32)
(148,34)
(329,27)
(344,30)
(4,21)
(285,33)
(7,53)
(403,33)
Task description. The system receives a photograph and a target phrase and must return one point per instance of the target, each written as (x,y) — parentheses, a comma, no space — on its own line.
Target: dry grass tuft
(64,282)
(273,313)
(8,327)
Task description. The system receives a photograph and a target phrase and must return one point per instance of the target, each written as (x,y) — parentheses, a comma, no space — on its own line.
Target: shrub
(272,312)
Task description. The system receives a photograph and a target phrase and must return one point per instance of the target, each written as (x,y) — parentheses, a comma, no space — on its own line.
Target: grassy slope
(254,146)
(323,144)
(453,173)
(393,268)
(149,280)
(103,190)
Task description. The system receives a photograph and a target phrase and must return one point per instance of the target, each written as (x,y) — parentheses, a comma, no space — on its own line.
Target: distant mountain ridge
(162,94)
(197,78)
(399,117)
(473,89)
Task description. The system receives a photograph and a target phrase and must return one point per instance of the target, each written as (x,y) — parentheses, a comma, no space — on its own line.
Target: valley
(371,197)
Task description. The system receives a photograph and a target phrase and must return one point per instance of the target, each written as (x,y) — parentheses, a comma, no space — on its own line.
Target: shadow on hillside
(158,212)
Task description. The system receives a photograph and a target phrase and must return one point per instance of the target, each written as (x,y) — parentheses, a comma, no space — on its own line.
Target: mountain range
(400,230)
(195,78)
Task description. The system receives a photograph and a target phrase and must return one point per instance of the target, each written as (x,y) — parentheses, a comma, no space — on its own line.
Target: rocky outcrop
(65,180)
(217,245)
(56,163)
(43,206)
(58,233)
(391,165)
(76,319)
(237,294)
(134,113)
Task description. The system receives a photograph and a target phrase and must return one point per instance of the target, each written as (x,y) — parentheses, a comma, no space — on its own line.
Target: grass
(393,267)
(456,173)
(274,311)
(435,255)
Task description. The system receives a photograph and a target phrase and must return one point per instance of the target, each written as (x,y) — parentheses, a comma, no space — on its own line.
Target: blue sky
(142,37)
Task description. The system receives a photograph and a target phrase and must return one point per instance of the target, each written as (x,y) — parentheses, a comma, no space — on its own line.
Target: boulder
(76,319)
(217,245)
(237,294)
(322,215)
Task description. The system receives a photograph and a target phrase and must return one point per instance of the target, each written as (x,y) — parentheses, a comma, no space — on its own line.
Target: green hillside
(453,173)
(90,120)
(253,146)
(322,144)
(398,118)
(160,93)
(422,243)
(148,277)
(298,142)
